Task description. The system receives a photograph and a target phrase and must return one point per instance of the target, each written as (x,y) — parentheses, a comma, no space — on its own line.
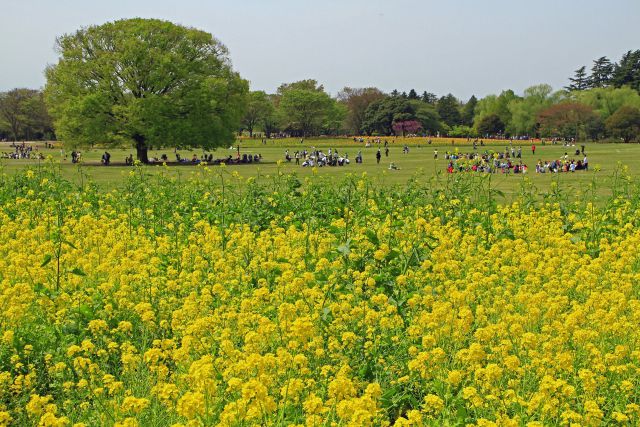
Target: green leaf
(78,272)
(371,235)
(47,260)
(69,243)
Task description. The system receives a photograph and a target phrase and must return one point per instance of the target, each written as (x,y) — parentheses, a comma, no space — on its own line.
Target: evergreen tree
(601,72)
(627,72)
(395,93)
(469,111)
(413,94)
(580,81)
(448,110)
(491,125)
(429,98)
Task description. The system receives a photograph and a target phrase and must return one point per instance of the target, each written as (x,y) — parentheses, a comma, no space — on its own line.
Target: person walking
(533,149)
(378,156)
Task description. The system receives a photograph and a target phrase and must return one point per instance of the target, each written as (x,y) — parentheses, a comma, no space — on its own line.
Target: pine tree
(601,72)
(448,109)
(429,97)
(580,81)
(627,71)
(412,94)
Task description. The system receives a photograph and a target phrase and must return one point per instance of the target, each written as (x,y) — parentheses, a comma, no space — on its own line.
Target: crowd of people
(489,162)
(510,161)
(320,158)
(562,165)
(22,151)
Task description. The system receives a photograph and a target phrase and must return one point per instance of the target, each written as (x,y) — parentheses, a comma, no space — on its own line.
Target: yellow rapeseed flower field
(326,304)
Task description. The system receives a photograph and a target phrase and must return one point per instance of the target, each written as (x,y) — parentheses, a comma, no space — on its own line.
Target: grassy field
(418,163)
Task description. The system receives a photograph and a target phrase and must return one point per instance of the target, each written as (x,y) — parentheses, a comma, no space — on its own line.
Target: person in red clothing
(533,149)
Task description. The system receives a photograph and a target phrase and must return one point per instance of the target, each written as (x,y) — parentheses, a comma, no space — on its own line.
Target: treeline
(305,109)
(604,104)
(24,116)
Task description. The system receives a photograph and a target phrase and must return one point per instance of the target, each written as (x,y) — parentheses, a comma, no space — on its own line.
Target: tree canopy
(144,82)
(357,100)
(567,120)
(490,125)
(625,123)
(306,109)
(23,115)
(449,110)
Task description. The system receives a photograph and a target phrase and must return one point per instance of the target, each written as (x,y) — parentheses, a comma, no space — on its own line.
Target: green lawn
(418,163)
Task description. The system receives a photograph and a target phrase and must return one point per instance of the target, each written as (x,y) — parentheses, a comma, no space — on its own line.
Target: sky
(464,47)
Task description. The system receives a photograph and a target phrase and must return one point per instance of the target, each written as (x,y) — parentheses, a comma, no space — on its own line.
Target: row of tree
(304,108)
(581,110)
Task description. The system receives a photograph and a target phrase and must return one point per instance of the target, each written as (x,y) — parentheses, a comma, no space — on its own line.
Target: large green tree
(305,108)
(381,114)
(144,82)
(428,117)
(448,108)
(625,123)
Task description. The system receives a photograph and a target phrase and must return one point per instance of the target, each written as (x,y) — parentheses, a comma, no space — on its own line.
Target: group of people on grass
(509,161)
(562,165)
(318,158)
(205,158)
(22,151)
(488,162)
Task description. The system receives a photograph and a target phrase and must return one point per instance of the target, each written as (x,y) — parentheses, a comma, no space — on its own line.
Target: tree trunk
(141,149)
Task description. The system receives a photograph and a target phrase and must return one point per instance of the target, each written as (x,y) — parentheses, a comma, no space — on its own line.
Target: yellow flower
(191,405)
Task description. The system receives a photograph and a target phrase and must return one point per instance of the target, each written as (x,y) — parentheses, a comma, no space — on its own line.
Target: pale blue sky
(460,46)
